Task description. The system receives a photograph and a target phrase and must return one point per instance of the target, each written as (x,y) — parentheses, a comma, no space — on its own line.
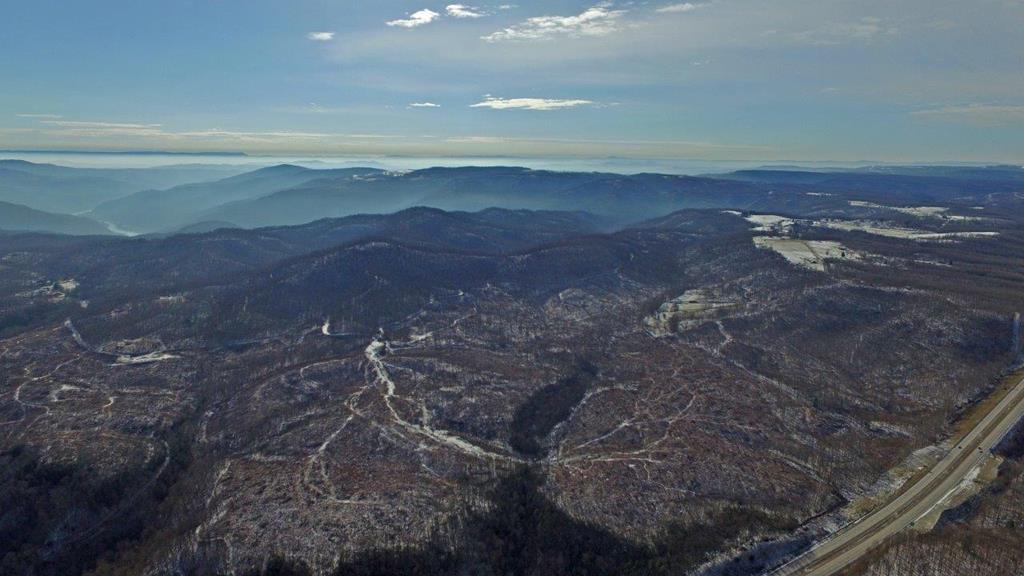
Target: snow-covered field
(810,254)
(941,212)
(892,231)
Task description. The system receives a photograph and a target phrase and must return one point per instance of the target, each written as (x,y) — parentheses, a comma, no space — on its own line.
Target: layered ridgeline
(200,199)
(109,269)
(624,197)
(70,190)
(285,194)
(190,204)
(18,218)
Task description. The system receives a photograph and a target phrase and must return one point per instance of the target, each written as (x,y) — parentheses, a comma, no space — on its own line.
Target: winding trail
(373,353)
(119,359)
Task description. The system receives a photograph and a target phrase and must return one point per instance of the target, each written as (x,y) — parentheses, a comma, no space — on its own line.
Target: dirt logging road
(855,540)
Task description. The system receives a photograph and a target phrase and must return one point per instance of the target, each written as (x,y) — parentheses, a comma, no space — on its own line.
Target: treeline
(522,533)
(547,407)
(17,315)
(48,510)
(1012,445)
(57,519)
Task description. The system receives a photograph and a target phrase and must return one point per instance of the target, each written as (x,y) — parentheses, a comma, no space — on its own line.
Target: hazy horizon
(682,166)
(912,81)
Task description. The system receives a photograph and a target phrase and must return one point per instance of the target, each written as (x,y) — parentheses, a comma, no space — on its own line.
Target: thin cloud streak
(867,29)
(99,125)
(975,114)
(124,135)
(679,8)
(541,104)
(97,129)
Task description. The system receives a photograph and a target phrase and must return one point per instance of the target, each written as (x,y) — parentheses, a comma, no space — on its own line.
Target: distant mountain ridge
(173,208)
(18,218)
(288,194)
(626,198)
(70,190)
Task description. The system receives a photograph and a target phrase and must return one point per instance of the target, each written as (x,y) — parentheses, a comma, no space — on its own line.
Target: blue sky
(895,80)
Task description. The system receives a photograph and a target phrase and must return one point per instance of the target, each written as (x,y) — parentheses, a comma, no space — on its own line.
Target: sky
(773,80)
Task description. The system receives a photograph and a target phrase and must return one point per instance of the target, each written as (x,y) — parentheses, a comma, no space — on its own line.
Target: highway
(855,540)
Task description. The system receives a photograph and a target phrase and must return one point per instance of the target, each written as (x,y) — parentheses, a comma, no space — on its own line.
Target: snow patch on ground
(693,307)
(810,254)
(972,484)
(891,231)
(940,212)
(783,226)
(769,222)
(150,358)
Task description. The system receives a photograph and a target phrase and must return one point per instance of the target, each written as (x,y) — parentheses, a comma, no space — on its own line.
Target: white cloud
(320,36)
(599,20)
(419,18)
(40,116)
(424,105)
(977,114)
(545,104)
(679,8)
(463,11)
